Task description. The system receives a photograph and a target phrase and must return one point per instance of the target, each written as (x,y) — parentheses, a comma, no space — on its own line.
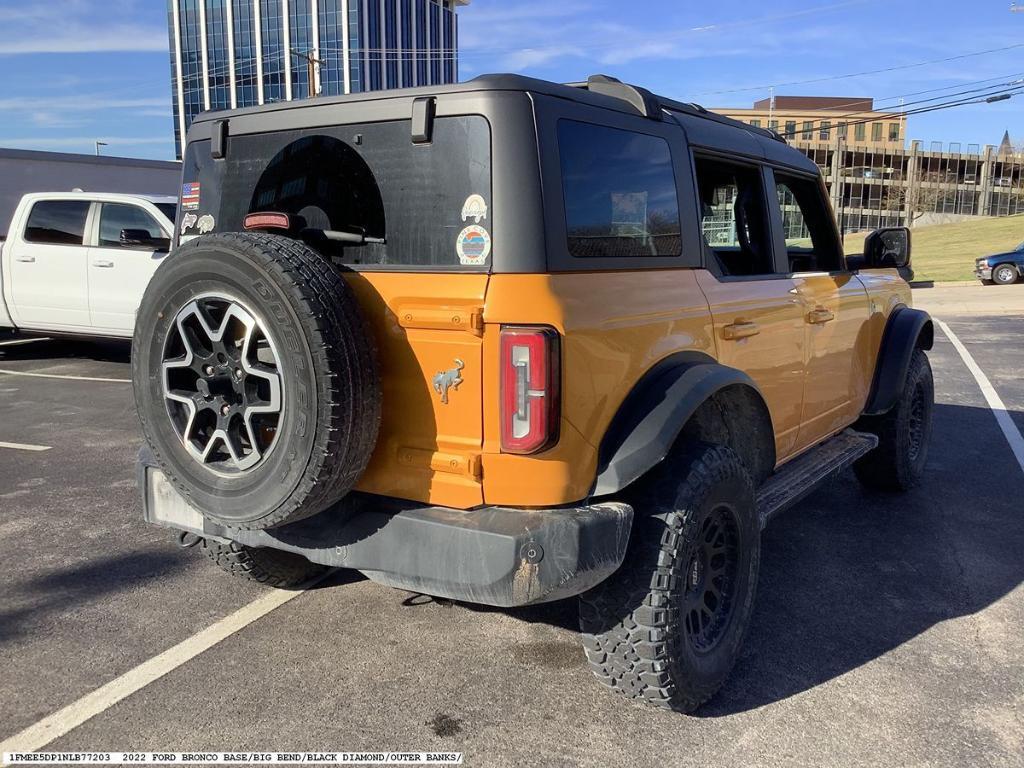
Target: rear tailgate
(429,333)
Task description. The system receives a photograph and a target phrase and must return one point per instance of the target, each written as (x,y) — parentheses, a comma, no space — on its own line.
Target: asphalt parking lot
(887,628)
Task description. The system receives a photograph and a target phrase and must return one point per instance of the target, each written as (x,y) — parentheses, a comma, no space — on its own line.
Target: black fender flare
(906,330)
(654,413)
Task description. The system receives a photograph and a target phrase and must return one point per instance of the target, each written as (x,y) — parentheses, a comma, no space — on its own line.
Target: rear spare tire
(255,379)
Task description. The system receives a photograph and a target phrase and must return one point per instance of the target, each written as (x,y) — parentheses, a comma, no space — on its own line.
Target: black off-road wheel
(897,464)
(667,627)
(272,567)
(255,378)
(1004,274)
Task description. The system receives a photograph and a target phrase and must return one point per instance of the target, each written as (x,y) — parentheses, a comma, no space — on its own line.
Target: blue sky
(73,71)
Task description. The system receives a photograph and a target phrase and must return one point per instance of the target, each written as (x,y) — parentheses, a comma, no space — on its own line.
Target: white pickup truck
(78,263)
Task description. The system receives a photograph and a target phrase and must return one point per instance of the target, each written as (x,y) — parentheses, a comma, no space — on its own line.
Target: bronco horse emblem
(445,380)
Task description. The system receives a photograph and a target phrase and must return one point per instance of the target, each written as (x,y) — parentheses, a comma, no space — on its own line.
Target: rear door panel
(774,356)
(838,351)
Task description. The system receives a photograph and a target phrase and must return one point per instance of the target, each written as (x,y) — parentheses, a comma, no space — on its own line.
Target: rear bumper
(491,555)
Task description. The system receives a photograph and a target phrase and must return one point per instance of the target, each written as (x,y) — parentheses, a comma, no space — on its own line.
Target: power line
(867,72)
(988,90)
(989,98)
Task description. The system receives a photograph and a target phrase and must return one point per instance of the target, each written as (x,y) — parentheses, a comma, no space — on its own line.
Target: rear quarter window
(430,203)
(620,193)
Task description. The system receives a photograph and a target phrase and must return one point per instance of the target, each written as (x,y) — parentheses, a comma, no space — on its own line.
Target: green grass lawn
(946,252)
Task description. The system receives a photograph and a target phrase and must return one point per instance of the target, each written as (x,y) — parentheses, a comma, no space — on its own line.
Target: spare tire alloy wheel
(256,379)
(222,385)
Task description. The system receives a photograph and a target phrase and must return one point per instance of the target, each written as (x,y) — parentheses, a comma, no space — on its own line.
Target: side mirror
(140,238)
(887,248)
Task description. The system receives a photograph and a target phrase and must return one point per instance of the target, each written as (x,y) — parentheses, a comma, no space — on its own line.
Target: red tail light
(267,220)
(530,378)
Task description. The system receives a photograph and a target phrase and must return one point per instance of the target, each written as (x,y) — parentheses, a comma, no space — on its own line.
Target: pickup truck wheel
(1004,274)
(903,433)
(666,628)
(255,379)
(272,567)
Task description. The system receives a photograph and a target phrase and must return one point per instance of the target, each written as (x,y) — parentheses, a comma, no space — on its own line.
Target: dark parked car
(1002,268)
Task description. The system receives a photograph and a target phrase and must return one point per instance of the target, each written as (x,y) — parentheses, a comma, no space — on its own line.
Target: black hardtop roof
(597,90)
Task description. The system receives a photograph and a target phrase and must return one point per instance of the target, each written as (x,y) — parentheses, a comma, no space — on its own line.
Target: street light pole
(98,145)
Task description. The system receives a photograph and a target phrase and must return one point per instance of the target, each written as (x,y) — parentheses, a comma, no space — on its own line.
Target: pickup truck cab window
(116,217)
(57,222)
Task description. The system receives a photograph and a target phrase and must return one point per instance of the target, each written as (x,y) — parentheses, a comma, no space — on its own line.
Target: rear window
(170,210)
(620,192)
(429,203)
(57,222)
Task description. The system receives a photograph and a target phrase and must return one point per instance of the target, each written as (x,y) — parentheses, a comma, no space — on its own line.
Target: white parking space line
(995,403)
(63,376)
(25,446)
(16,342)
(73,715)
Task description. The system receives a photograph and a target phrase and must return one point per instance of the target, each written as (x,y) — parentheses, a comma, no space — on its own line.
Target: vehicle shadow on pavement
(99,350)
(33,605)
(848,575)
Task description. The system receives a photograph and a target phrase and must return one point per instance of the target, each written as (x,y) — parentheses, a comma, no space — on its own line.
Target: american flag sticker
(190,195)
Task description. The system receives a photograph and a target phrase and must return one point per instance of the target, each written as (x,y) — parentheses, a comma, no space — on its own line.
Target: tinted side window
(170,210)
(811,241)
(117,216)
(57,222)
(734,217)
(620,192)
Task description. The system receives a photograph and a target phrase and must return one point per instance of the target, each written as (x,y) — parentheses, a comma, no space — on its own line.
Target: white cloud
(78,26)
(83,39)
(533,34)
(81,142)
(77,103)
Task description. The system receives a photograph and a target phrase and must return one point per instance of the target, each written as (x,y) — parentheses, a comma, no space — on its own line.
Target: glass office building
(237,53)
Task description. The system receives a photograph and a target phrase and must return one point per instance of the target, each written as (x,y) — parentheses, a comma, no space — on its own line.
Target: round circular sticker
(473,246)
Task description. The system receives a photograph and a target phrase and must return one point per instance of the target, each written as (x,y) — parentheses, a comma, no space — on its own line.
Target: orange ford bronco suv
(510,342)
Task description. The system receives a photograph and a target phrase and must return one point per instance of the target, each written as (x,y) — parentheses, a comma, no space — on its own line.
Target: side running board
(797,478)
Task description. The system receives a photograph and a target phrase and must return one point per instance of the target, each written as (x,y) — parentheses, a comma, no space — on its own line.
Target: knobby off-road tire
(695,533)
(272,567)
(284,303)
(903,433)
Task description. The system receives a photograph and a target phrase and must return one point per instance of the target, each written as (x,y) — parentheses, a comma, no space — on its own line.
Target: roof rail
(640,99)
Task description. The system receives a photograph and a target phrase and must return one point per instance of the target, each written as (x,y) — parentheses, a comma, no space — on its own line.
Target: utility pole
(312,70)
(771,104)
(902,118)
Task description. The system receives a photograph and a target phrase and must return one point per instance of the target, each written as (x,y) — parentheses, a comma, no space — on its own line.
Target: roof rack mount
(640,99)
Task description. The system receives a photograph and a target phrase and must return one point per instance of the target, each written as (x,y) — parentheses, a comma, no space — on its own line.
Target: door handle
(26,259)
(741,329)
(103,263)
(820,315)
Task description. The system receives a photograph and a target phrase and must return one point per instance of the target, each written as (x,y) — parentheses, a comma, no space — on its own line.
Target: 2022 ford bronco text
(510,342)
